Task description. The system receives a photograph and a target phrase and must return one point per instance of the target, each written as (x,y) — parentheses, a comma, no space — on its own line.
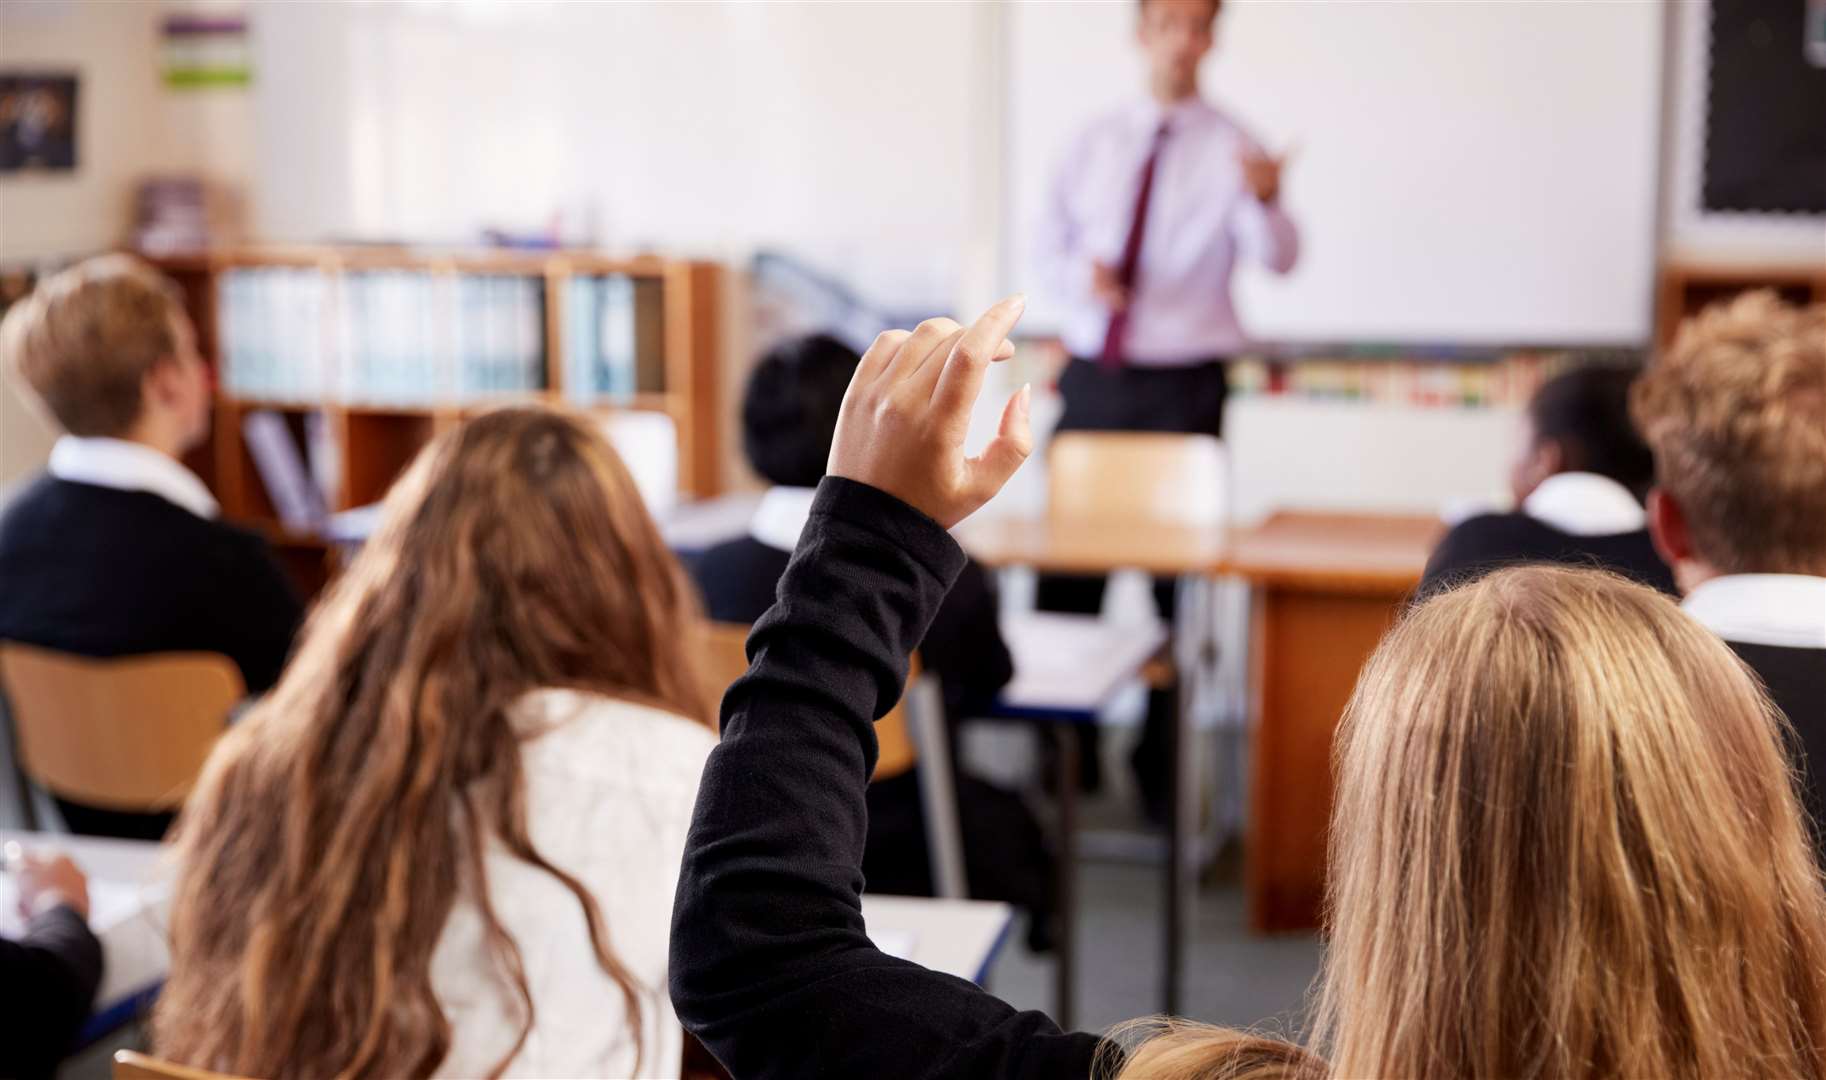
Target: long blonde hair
(1565,843)
(335,826)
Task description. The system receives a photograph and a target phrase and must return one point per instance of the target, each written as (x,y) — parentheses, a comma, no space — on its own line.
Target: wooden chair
(128,734)
(1139,479)
(131,1066)
(726,658)
(912,732)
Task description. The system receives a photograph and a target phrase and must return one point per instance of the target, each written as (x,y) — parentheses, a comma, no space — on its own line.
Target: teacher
(1147,216)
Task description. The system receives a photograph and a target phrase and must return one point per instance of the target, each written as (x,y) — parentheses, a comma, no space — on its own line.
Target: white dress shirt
(1585,504)
(781,516)
(610,786)
(1787,610)
(130,466)
(1201,218)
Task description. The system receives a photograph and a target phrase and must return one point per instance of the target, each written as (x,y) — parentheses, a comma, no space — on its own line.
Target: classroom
(1110,539)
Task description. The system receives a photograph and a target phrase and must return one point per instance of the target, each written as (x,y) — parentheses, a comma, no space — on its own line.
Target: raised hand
(908,408)
(1261,173)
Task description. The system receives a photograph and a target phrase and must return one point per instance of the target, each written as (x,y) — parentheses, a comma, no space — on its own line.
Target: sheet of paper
(898,943)
(110,903)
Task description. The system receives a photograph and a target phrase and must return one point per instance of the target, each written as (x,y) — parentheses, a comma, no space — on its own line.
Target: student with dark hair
(1579,485)
(117,550)
(789,416)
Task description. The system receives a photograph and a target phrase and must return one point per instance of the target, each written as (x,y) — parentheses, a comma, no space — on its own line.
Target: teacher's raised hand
(908,409)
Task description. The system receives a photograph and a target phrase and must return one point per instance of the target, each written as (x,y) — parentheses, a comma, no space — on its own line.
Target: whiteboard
(1464,173)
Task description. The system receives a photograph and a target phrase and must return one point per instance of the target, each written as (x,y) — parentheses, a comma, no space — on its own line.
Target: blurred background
(388,214)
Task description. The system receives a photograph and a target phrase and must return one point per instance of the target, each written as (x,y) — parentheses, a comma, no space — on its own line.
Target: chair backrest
(131,1066)
(129,734)
(1129,478)
(726,658)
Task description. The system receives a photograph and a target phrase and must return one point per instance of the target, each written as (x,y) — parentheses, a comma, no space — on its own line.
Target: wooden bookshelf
(375,440)
(1686,287)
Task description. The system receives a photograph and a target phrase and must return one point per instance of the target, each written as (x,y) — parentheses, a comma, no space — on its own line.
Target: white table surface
(130,897)
(1074,663)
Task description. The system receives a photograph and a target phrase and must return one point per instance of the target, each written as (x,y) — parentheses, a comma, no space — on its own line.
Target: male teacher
(1148,214)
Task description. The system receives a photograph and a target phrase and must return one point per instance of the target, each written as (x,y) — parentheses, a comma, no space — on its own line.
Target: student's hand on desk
(46,881)
(908,408)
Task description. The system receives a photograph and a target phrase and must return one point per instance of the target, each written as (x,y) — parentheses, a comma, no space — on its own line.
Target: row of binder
(416,338)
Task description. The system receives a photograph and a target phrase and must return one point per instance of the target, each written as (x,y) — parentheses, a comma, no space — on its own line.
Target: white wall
(846,131)
(1464,172)
(129,126)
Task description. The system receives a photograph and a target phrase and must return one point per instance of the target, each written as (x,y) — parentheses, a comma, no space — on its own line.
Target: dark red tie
(1131,256)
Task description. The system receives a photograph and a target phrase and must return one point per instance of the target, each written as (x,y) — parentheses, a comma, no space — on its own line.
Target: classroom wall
(128,126)
(848,132)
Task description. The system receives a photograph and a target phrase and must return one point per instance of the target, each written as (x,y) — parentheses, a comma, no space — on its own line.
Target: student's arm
(1262,230)
(47,982)
(770,966)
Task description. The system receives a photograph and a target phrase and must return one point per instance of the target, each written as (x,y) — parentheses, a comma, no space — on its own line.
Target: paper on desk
(898,943)
(110,903)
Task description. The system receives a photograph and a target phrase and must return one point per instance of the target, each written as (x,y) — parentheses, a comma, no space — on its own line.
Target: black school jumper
(47,982)
(1486,542)
(771,967)
(1796,681)
(101,572)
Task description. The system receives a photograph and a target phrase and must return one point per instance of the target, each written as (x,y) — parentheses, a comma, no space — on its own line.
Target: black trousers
(1186,400)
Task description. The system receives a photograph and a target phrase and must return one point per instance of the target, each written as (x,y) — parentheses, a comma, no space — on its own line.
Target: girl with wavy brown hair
(446,842)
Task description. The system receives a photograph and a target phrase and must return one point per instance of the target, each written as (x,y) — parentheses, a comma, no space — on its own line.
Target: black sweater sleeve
(771,966)
(47,981)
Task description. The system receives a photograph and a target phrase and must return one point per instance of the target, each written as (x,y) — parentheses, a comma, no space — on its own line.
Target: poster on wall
(37,122)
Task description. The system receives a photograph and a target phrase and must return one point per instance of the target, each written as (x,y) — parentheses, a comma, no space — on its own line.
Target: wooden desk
(1054,545)
(1326,588)
(1072,547)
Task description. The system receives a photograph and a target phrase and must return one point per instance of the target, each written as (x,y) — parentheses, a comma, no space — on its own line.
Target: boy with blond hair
(116,550)
(1735,412)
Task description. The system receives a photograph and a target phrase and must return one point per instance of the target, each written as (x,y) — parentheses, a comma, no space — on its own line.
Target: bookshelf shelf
(1686,287)
(385,347)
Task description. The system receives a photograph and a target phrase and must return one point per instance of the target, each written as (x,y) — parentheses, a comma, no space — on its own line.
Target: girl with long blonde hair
(1565,842)
(446,842)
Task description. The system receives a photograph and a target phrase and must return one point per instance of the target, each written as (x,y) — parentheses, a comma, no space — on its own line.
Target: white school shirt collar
(131,466)
(1585,504)
(781,516)
(1763,609)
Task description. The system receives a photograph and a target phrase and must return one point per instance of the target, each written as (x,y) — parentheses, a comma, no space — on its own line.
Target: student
(446,843)
(47,977)
(789,413)
(1564,840)
(1579,485)
(1736,413)
(116,549)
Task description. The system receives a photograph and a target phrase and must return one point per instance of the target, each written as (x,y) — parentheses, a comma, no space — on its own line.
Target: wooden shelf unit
(1686,287)
(376,440)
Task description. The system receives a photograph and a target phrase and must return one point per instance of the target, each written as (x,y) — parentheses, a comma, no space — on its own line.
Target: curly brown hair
(1735,412)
